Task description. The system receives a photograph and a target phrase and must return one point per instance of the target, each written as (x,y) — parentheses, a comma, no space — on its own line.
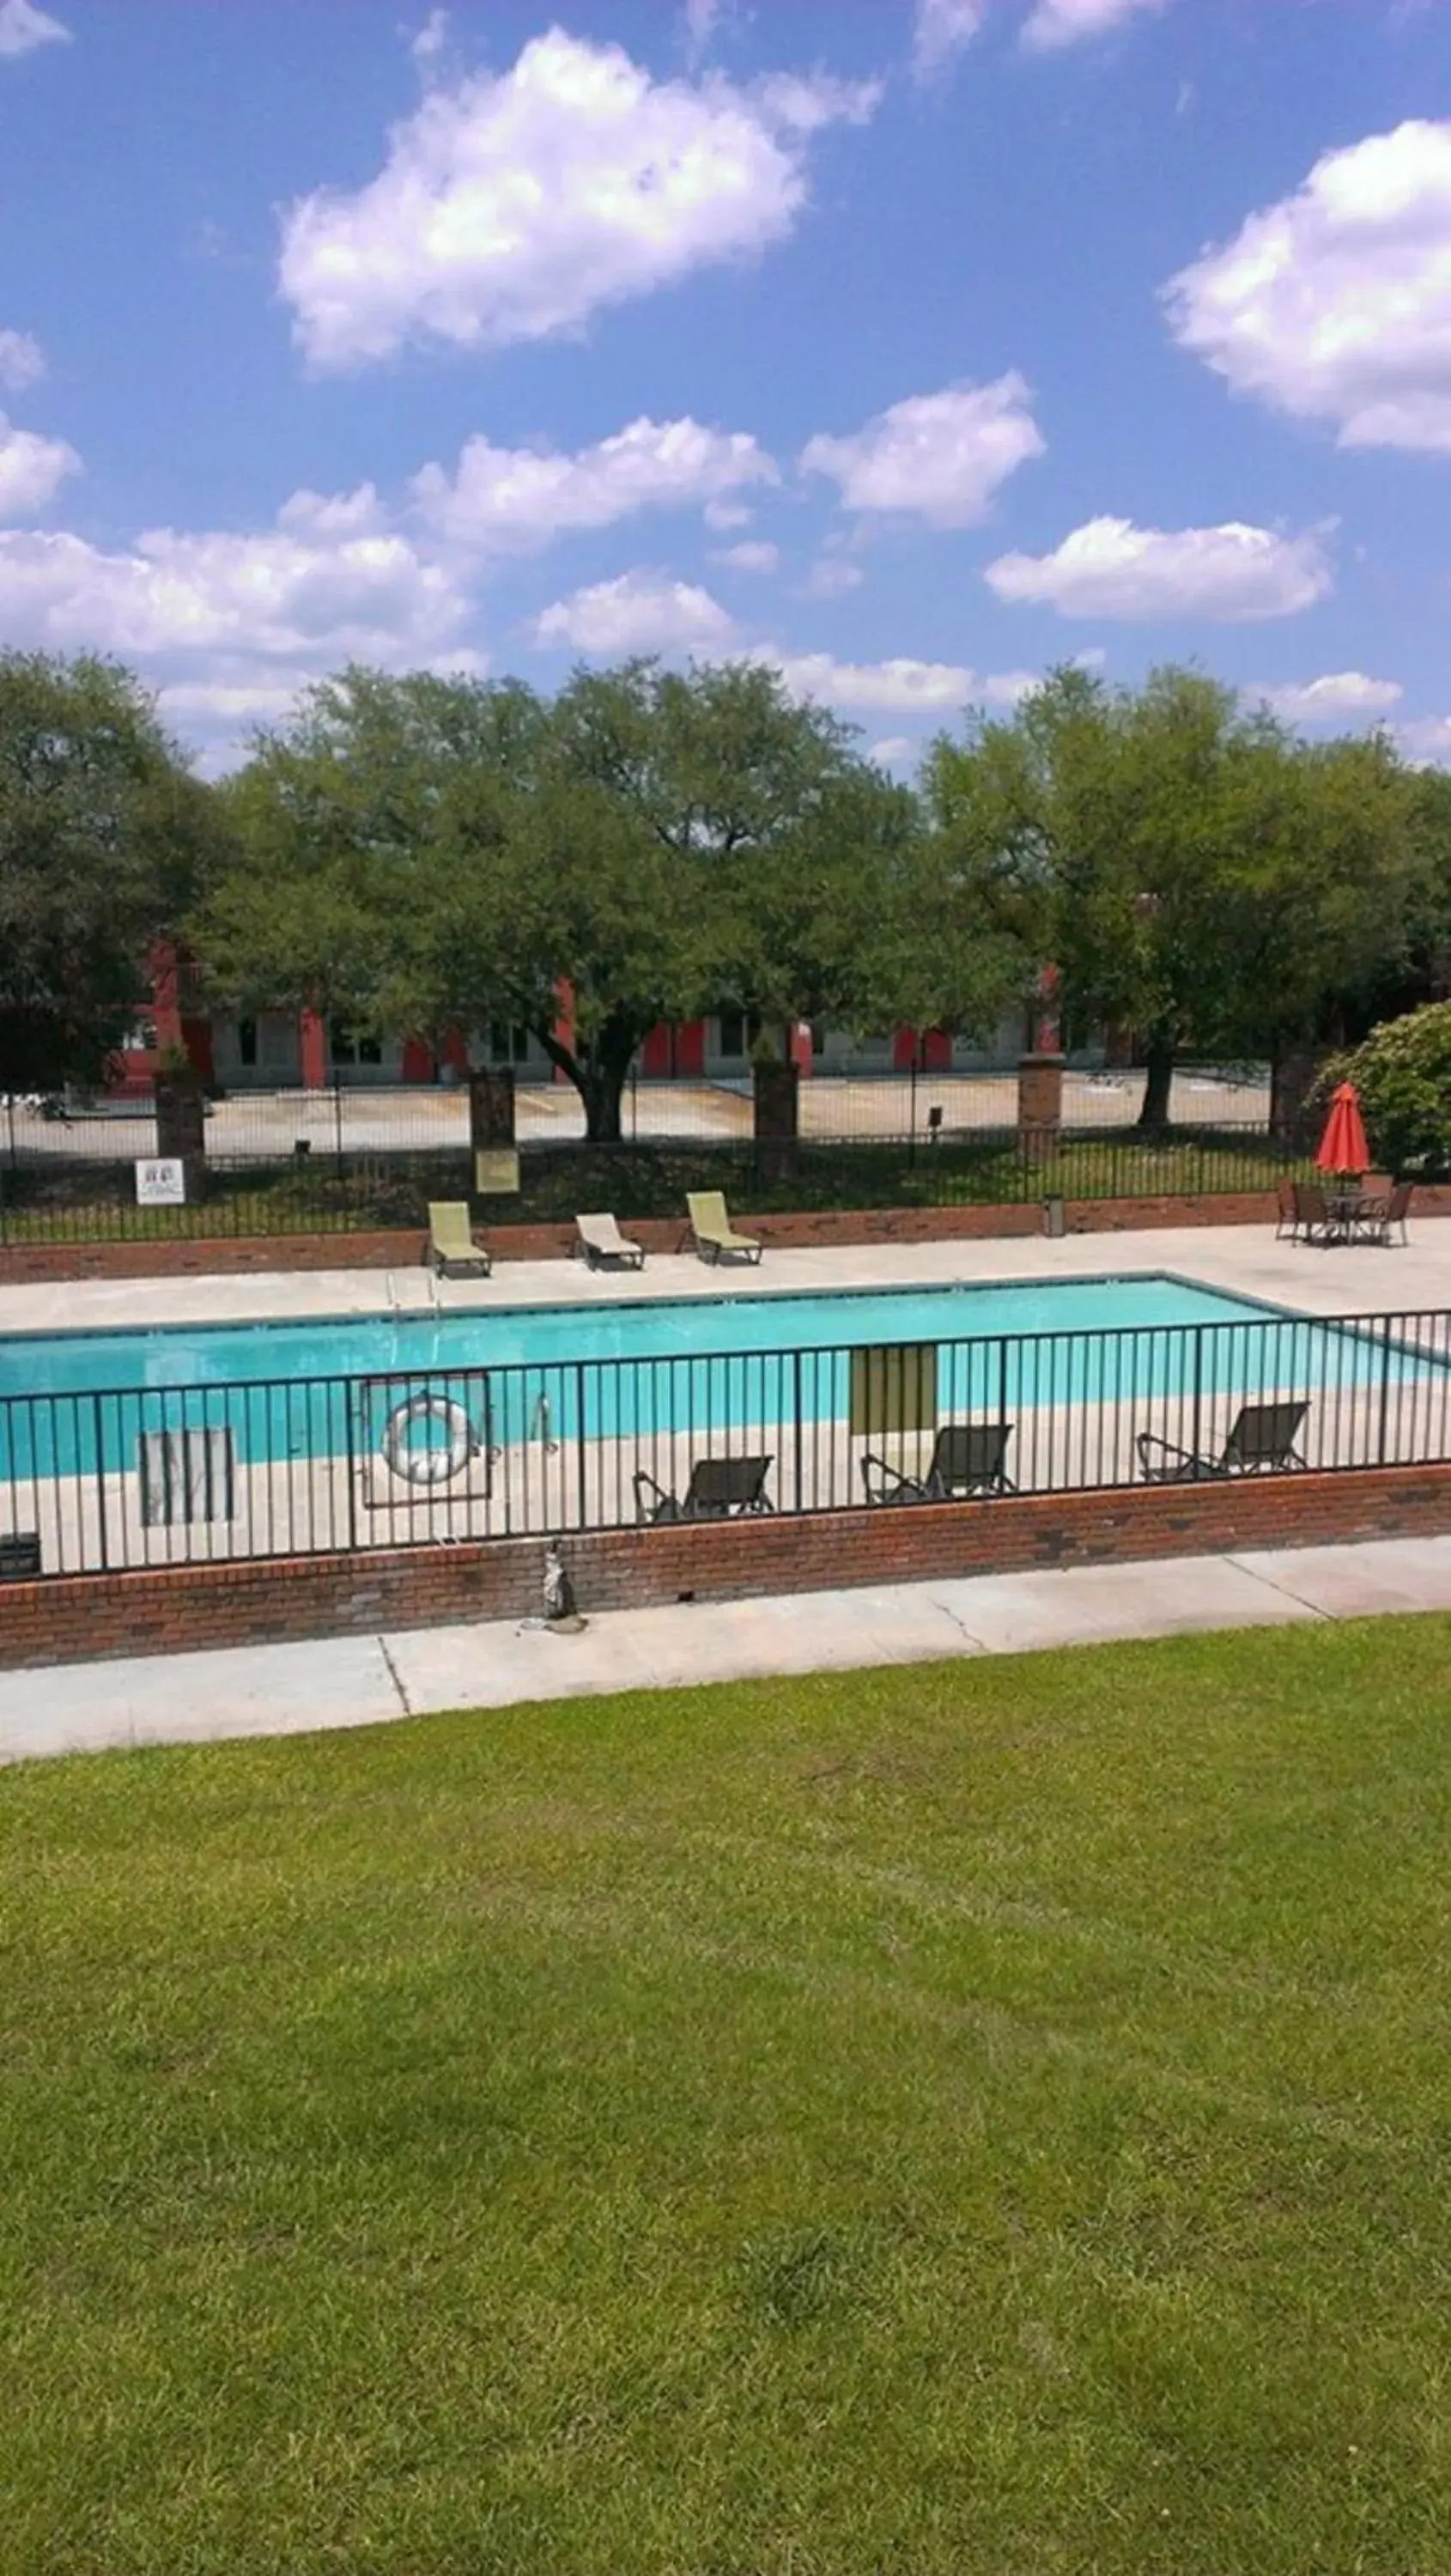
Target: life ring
(428,1466)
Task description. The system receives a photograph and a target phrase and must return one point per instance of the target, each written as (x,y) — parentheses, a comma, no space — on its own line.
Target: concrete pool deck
(1244,1260)
(375,1680)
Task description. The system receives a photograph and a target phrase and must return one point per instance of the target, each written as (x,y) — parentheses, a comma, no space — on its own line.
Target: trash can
(1053,1217)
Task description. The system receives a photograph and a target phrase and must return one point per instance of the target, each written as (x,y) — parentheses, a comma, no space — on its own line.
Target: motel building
(302,1050)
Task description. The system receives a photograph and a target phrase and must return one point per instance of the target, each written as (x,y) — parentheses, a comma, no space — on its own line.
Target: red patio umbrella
(1343,1148)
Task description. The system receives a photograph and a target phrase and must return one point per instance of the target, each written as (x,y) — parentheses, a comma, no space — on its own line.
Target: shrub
(1403,1075)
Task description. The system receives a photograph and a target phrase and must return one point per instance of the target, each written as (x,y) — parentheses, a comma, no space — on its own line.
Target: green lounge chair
(451,1246)
(715,1236)
(969,1458)
(1261,1442)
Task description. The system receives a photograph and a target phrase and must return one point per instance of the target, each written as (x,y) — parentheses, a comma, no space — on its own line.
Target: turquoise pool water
(649,1368)
(560,1336)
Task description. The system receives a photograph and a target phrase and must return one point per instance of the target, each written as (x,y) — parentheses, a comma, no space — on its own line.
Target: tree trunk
(1158,1082)
(598,1074)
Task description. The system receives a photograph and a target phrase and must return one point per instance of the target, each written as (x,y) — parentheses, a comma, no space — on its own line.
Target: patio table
(1353,1215)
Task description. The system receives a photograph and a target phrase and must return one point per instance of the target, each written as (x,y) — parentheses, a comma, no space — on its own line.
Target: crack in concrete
(1312,1609)
(395,1677)
(963,1631)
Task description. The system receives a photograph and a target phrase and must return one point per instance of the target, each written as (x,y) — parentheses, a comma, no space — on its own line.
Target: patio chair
(1311,1222)
(968,1458)
(715,1236)
(1261,1441)
(451,1246)
(598,1240)
(720,1489)
(1394,1211)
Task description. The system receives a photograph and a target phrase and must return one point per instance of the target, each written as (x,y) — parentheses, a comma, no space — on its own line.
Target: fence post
(912,1116)
(100,1484)
(338,1120)
(1385,1390)
(1196,1440)
(797,1400)
(352,1394)
(579,1442)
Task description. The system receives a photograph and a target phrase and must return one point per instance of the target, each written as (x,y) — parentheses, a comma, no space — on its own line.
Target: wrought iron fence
(70,1200)
(841,1102)
(124,1478)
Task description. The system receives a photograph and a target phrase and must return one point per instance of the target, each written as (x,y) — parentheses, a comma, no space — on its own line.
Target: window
(348,1048)
(246,1042)
(507,1044)
(739,1031)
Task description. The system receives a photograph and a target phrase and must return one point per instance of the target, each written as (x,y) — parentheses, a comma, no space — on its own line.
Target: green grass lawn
(983,2120)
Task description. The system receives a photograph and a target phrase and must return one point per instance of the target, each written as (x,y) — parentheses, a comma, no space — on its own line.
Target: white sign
(161,1184)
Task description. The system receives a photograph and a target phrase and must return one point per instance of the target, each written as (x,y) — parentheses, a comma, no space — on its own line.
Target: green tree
(105,838)
(424,854)
(1194,870)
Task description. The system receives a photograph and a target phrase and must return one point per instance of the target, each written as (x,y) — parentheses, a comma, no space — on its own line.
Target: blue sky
(915,344)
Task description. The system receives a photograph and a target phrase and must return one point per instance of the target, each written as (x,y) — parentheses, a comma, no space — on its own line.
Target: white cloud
(1426,740)
(515,206)
(1110,568)
(1054,23)
(32,470)
(23,27)
(1337,695)
(431,38)
(941,30)
(640,612)
(22,360)
(325,586)
(754,556)
(701,19)
(940,456)
(512,498)
(727,514)
(1335,303)
(899,686)
(895,753)
(832,575)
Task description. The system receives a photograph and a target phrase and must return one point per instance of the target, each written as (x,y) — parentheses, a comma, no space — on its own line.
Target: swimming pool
(647,1369)
(565,1335)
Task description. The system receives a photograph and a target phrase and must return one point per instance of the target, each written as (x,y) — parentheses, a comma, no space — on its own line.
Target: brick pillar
(491,1109)
(181,1133)
(1040,1101)
(312,1050)
(776,1090)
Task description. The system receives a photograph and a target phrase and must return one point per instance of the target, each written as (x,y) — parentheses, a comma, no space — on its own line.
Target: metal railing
(840,1103)
(100,1480)
(81,1201)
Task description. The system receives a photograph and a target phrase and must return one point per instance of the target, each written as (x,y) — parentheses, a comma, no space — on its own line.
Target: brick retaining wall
(76,1617)
(29,1263)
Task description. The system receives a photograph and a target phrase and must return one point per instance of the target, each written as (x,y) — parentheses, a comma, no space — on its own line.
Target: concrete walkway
(1245,1259)
(365,1681)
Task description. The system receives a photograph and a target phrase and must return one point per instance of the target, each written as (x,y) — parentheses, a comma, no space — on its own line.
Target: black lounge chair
(1261,1442)
(720,1489)
(969,1458)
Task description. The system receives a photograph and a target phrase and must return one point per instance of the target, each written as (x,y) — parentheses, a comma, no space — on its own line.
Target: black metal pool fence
(114,1478)
(82,1199)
